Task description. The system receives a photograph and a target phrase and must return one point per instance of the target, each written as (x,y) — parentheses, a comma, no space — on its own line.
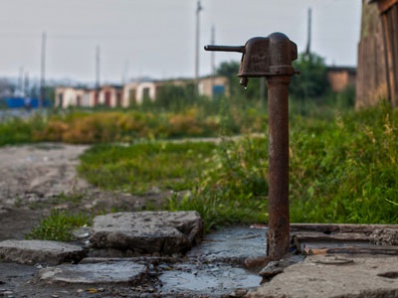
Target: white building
(134,92)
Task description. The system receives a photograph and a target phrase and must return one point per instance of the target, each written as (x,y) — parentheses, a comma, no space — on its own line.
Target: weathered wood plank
(339,237)
(340,228)
(384,5)
(373,250)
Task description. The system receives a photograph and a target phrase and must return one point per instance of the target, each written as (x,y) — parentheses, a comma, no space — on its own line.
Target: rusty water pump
(271,57)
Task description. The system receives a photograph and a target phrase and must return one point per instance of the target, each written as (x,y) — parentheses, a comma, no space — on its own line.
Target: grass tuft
(59,226)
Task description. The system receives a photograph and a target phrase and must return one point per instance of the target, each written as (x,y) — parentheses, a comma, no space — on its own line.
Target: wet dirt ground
(209,270)
(33,175)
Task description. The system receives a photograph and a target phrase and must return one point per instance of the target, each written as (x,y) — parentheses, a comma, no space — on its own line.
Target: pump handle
(239,49)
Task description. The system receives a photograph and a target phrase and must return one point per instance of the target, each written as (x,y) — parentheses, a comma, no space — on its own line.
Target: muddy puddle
(215,267)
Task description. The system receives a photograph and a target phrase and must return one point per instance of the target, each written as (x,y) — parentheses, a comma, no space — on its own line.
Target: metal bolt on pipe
(271,57)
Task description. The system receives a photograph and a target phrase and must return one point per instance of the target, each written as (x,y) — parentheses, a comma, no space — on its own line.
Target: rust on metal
(271,57)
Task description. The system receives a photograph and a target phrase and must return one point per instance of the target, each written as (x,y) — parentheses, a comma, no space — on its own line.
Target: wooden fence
(377,71)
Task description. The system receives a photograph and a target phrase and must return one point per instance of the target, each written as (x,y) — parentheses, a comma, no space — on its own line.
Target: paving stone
(36,251)
(95,273)
(336,276)
(148,232)
(233,244)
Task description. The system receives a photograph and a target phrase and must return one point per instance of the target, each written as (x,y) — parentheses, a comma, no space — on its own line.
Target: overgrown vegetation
(341,171)
(131,125)
(59,226)
(343,164)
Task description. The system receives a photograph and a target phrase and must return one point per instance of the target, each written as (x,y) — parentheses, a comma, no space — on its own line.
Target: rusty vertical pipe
(272,58)
(278,206)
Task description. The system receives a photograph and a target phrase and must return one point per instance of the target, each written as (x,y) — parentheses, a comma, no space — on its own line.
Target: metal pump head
(263,56)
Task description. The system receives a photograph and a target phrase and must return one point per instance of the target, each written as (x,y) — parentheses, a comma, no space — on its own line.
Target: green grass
(141,167)
(342,170)
(15,130)
(346,170)
(59,226)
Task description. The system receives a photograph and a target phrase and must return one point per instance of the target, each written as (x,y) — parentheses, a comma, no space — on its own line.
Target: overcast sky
(157,37)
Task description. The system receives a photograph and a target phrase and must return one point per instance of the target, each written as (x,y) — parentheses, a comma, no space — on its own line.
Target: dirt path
(35,178)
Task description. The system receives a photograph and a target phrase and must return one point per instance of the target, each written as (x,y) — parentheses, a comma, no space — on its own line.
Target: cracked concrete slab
(94,273)
(148,232)
(38,251)
(337,276)
(231,245)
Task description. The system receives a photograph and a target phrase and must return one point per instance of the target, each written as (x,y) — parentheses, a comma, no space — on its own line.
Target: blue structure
(218,90)
(24,102)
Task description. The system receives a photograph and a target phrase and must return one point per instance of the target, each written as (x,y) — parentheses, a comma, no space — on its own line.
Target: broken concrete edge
(339,228)
(142,259)
(150,244)
(148,231)
(32,252)
(334,276)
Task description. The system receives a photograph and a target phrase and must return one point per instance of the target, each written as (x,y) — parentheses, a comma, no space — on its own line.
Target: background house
(340,77)
(111,96)
(69,96)
(135,92)
(213,86)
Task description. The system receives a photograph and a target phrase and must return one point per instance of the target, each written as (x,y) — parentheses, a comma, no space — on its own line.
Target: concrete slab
(37,251)
(335,276)
(97,273)
(233,244)
(148,232)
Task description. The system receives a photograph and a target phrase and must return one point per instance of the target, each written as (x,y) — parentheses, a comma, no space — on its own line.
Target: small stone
(238,293)
(384,237)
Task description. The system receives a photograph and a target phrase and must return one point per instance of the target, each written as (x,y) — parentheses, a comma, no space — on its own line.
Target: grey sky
(156,38)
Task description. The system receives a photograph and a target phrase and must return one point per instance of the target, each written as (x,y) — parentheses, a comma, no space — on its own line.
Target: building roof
(349,69)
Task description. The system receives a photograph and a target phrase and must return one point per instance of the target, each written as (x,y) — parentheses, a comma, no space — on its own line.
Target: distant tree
(171,96)
(49,92)
(312,81)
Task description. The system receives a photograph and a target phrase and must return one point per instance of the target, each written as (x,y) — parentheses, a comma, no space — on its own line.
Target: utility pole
(97,68)
(97,75)
(20,81)
(43,67)
(199,8)
(26,85)
(213,63)
(125,72)
(308,48)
